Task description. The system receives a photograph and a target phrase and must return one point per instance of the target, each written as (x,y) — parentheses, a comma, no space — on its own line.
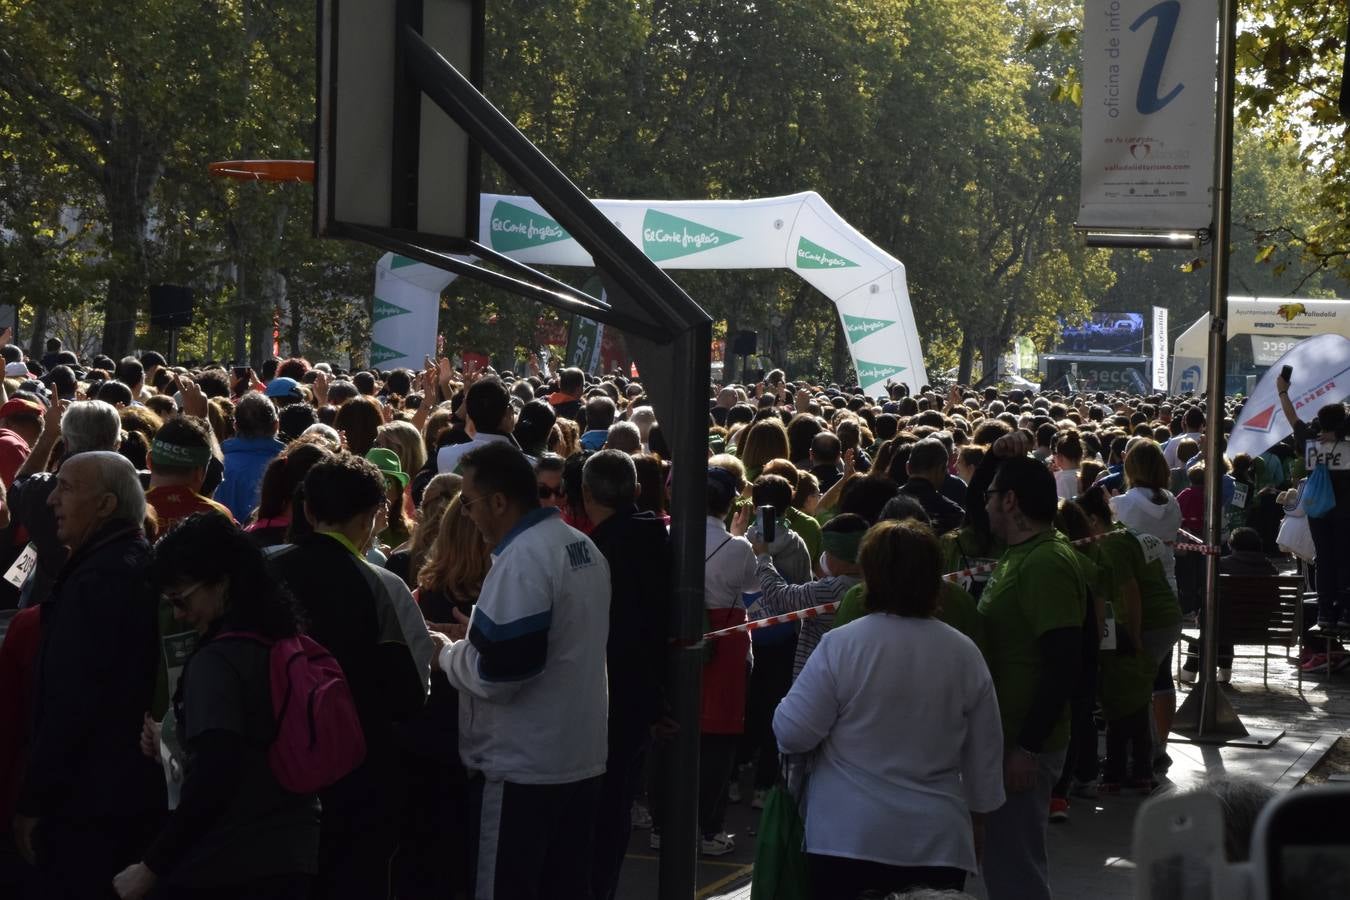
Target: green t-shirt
(1130,556)
(807,528)
(1038,587)
(955,608)
(1126,682)
(961,550)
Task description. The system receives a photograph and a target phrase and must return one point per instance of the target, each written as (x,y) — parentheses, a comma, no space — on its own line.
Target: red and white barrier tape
(827,608)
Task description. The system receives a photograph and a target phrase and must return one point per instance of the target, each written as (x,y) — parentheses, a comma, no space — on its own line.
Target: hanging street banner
(1160,348)
(1148,114)
(1321,375)
(799,232)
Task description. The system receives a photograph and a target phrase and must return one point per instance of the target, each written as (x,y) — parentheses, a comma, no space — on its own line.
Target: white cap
(17,370)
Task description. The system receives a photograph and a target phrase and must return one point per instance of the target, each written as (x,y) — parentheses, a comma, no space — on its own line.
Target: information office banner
(1160,348)
(1148,114)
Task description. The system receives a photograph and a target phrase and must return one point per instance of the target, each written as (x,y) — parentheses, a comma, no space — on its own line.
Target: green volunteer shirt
(955,608)
(1037,587)
(808,528)
(1129,556)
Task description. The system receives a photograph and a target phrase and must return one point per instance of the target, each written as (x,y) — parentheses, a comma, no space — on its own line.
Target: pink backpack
(319,738)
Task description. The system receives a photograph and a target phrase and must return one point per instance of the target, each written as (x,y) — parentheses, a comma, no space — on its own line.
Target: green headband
(163,453)
(842,544)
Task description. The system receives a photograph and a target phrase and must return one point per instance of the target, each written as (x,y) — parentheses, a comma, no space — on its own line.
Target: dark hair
(902,569)
(149,358)
(773,490)
(1073,521)
(342,487)
(800,431)
(294,419)
(1245,539)
(867,497)
(399,382)
(295,367)
(1033,486)
(206,547)
(651,476)
(825,448)
(600,411)
(611,477)
(185,431)
(130,371)
(1332,418)
(904,508)
(361,418)
(533,425)
(214,383)
(1094,502)
(1069,445)
(114,392)
(340,391)
(255,416)
(845,523)
(571,380)
(928,455)
(365,383)
(499,468)
(486,403)
(284,474)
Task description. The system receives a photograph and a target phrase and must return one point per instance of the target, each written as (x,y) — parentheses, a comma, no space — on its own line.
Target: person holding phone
(1323,442)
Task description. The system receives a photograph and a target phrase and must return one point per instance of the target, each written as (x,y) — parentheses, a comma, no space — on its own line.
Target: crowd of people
(486,557)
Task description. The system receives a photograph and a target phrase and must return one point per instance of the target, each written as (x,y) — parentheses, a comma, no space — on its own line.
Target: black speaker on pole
(744,343)
(170,306)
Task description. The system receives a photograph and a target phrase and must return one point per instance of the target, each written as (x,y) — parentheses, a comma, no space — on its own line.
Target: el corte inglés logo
(385,310)
(811,255)
(667,237)
(515,228)
(859,327)
(380,353)
(871,373)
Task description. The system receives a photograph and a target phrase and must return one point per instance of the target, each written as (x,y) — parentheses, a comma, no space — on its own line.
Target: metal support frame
(675,326)
(1206,716)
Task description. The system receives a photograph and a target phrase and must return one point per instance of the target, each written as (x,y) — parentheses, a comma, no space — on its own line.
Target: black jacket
(943,513)
(637,548)
(94,680)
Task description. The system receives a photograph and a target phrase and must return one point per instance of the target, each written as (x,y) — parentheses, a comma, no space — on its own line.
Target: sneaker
(1059,809)
(1186,676)
(1315,662)
(734,792)
(640,817)
(654,840)
(716,844)
(1225,676)
(757,801)
(1084,789)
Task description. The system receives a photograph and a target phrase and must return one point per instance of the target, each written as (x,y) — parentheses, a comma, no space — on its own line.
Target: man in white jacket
(533,704)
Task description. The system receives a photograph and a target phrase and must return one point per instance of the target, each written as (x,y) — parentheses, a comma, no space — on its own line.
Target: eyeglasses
(546,492)
(466,501)
(180,600)
(992,491)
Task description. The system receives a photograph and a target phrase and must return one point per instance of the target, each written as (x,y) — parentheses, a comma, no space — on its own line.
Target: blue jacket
(245,461)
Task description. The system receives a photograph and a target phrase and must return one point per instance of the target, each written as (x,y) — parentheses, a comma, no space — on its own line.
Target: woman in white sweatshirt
(900,713)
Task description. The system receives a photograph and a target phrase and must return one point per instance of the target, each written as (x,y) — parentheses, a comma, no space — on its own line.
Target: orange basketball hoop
(293,170)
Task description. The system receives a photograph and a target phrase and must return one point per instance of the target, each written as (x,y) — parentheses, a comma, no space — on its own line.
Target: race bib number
(1335,457)
(1240,496)
(1153,547)
(1109,629)
(23,567)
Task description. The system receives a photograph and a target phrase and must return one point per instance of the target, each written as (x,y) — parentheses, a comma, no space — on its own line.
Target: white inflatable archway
(1271,318)
(798,232)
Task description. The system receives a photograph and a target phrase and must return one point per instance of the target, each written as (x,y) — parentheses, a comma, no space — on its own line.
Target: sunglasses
(546,492)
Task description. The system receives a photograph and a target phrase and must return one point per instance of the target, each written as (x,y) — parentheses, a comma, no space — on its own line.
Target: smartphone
(241,372)
(1287,373)
(1301,846)
(1178,848)
(766,522)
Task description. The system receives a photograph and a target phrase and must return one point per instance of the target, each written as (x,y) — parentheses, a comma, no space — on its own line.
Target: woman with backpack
(236,831)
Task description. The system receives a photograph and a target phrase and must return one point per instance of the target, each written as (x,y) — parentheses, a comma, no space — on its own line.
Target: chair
(1262,611)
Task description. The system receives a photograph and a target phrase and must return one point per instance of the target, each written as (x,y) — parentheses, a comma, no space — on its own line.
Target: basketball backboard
(386,155)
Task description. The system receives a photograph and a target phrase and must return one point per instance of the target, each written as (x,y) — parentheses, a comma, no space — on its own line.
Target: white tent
(1279,322)
(798,232)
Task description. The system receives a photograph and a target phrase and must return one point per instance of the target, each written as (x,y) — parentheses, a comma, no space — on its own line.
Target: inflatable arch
(799,232)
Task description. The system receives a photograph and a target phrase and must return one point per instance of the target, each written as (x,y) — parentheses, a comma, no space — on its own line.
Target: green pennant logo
(667,237)
(386,310)
(398,262)
(515,228)
(811,255)
(379,353)
(870,373)
(859,327)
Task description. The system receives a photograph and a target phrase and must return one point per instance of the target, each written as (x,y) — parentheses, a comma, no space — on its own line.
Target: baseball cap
(16,370)
(18,406)
(284,387)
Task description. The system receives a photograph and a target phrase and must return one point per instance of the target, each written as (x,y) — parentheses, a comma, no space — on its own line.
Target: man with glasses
(90,801)
(532,687)
(1033,608)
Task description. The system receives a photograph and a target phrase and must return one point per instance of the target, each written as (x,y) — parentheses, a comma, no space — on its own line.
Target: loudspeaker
(744,343)
(170,306)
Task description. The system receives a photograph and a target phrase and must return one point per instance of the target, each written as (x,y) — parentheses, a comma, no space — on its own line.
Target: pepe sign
(516,228)
(811,255)
(667,237)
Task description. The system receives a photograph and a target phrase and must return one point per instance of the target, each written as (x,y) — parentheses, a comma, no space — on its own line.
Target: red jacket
(16,708)
(725,676)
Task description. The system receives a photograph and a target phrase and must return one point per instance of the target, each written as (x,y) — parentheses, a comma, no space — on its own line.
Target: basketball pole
(1206,717)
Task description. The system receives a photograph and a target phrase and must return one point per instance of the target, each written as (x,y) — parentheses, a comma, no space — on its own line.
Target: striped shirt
(779,598)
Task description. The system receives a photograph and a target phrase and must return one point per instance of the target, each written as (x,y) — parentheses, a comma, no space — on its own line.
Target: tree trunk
(36,342)
(239,315)
(967,359)
(839,356)
(133,167)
